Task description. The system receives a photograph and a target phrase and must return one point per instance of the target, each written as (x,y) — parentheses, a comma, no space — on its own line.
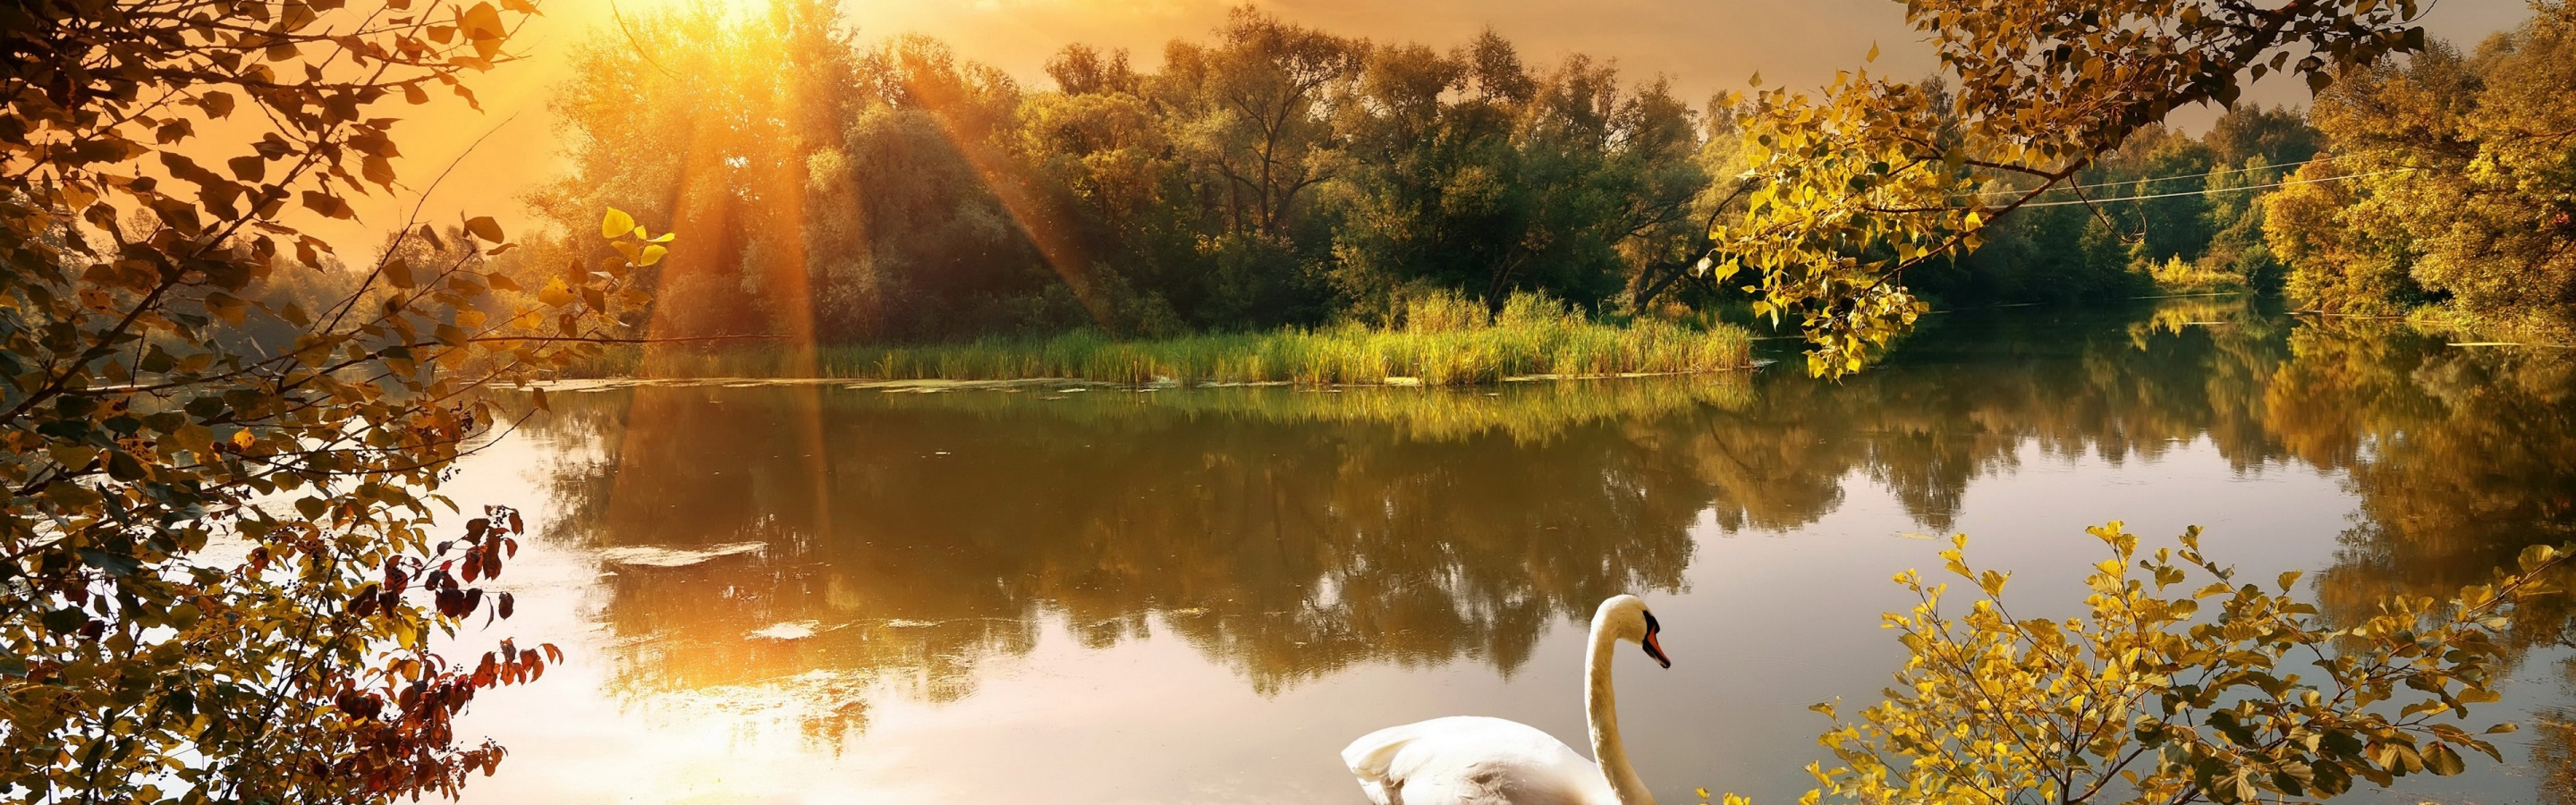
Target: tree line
(2429,184)
(1275,175)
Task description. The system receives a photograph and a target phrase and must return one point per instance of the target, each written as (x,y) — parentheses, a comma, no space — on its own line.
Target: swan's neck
(1602,706)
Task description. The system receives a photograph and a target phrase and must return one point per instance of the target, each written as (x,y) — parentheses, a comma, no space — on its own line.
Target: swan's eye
(1651,626)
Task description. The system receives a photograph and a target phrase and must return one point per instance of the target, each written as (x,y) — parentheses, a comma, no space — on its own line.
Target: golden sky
(1704,45)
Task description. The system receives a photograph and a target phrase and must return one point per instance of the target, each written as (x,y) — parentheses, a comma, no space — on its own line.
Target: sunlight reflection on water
(1201,595)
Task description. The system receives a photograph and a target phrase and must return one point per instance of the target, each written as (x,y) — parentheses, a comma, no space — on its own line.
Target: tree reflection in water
(1288,533)
(1275,529)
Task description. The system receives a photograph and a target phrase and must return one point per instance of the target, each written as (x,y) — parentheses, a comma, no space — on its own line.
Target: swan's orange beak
(1655,648)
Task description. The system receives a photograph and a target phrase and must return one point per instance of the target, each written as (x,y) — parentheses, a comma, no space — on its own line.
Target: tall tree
(2460,190)
(1467,172)
(1257,103)
(707,118)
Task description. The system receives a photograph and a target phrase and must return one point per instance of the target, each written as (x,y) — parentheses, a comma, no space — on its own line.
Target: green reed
(1438,344)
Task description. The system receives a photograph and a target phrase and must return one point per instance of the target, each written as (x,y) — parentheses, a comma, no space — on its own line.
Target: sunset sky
(1704,45)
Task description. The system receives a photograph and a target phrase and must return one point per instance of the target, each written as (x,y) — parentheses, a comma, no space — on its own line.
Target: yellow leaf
(617,223)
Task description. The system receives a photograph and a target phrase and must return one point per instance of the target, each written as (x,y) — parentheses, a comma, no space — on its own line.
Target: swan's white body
(1473,760)
(1470,760)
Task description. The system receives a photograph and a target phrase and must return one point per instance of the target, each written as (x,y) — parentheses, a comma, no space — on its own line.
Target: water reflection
(916,536)
(912,539)
(2460,457)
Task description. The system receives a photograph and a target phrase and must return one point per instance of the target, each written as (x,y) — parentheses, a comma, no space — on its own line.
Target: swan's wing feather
(1467,760)
(1372,759)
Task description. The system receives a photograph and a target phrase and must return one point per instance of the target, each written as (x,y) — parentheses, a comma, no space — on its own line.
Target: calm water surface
(820,593)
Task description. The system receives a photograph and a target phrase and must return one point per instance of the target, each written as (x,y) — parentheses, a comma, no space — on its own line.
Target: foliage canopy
(2464,200)
(1877,177)
(1267,175)
(221,566)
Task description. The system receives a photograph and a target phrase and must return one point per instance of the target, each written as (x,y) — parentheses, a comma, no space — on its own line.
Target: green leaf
(65,620)
(116,564)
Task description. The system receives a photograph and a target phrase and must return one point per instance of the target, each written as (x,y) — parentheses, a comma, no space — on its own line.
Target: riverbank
(1565,345)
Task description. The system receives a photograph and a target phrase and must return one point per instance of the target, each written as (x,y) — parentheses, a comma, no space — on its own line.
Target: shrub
(2169,690)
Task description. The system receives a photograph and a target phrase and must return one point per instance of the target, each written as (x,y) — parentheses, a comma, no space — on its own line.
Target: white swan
(1470,760)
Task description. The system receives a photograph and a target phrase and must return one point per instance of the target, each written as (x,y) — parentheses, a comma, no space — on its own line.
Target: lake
(856,593)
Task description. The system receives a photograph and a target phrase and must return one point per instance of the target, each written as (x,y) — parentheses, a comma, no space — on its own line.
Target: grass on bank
(1442,340)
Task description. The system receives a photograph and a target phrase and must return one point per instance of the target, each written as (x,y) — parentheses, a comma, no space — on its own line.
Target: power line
(2221,190)
(2326,158)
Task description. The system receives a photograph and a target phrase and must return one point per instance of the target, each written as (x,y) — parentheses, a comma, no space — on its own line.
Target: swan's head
(1626,617)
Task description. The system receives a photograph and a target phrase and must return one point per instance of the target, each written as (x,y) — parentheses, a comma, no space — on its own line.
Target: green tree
(2251,148)
(1274,175)
(220,563)
(1469,173)
(1427,135)
(712,121)
(1111,155)
(952,236)
(1256,105)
